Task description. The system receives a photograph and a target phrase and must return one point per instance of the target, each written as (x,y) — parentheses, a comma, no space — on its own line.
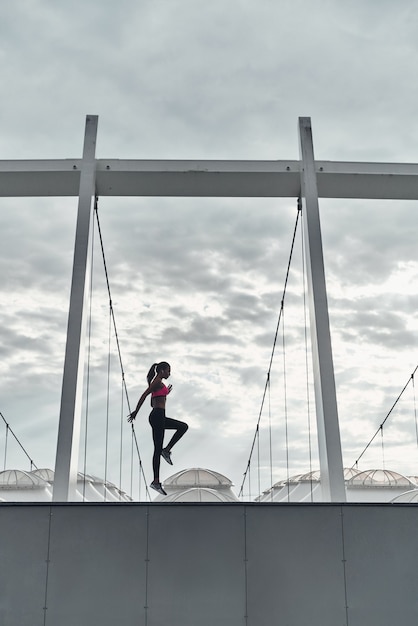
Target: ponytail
(151,373)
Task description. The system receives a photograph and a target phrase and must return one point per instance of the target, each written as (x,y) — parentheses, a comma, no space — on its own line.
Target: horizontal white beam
(117,177)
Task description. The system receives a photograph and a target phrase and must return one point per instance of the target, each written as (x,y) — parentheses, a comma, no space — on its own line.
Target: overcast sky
(198,282)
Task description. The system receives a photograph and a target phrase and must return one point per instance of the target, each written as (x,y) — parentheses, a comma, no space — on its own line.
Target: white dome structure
(378,477)
(197,477)
(200,494)
(45,474)
(198,485)
(377,485)
(373,485)
(18,479)
(37,486)
(408,497)
(20,486)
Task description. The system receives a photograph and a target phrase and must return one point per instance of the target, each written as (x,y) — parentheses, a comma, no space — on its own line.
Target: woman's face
(166,372)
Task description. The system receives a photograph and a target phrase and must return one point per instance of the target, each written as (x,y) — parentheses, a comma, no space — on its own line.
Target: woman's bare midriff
(158,403)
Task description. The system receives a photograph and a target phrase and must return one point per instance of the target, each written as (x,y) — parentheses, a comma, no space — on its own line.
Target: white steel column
(66,464)
(330,456)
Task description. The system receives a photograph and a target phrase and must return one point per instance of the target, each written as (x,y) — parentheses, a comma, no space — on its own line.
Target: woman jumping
(159,422)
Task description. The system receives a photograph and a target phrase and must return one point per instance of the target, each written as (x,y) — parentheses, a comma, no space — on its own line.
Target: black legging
(160,423)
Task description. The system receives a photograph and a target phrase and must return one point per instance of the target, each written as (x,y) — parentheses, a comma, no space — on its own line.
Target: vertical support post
(330,456)
(66,464)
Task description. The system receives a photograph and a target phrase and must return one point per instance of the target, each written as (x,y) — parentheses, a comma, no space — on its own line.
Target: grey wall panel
(295,569)
(97,570)
(206,564)
(381,547)
(23,564)
(196,565)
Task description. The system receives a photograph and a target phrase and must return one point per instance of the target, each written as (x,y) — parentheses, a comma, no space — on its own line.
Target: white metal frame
(329,442)
(181,178)
(66,463)
(306,178)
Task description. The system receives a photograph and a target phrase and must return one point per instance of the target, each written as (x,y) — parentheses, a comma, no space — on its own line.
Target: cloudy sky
(198,282)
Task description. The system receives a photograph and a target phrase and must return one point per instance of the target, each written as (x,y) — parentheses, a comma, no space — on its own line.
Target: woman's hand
(132,416)
(169,388)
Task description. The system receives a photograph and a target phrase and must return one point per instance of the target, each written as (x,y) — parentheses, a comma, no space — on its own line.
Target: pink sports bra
(164,391)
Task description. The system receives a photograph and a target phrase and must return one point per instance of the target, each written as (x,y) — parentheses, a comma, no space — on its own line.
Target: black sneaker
(158,487)
(166,454)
